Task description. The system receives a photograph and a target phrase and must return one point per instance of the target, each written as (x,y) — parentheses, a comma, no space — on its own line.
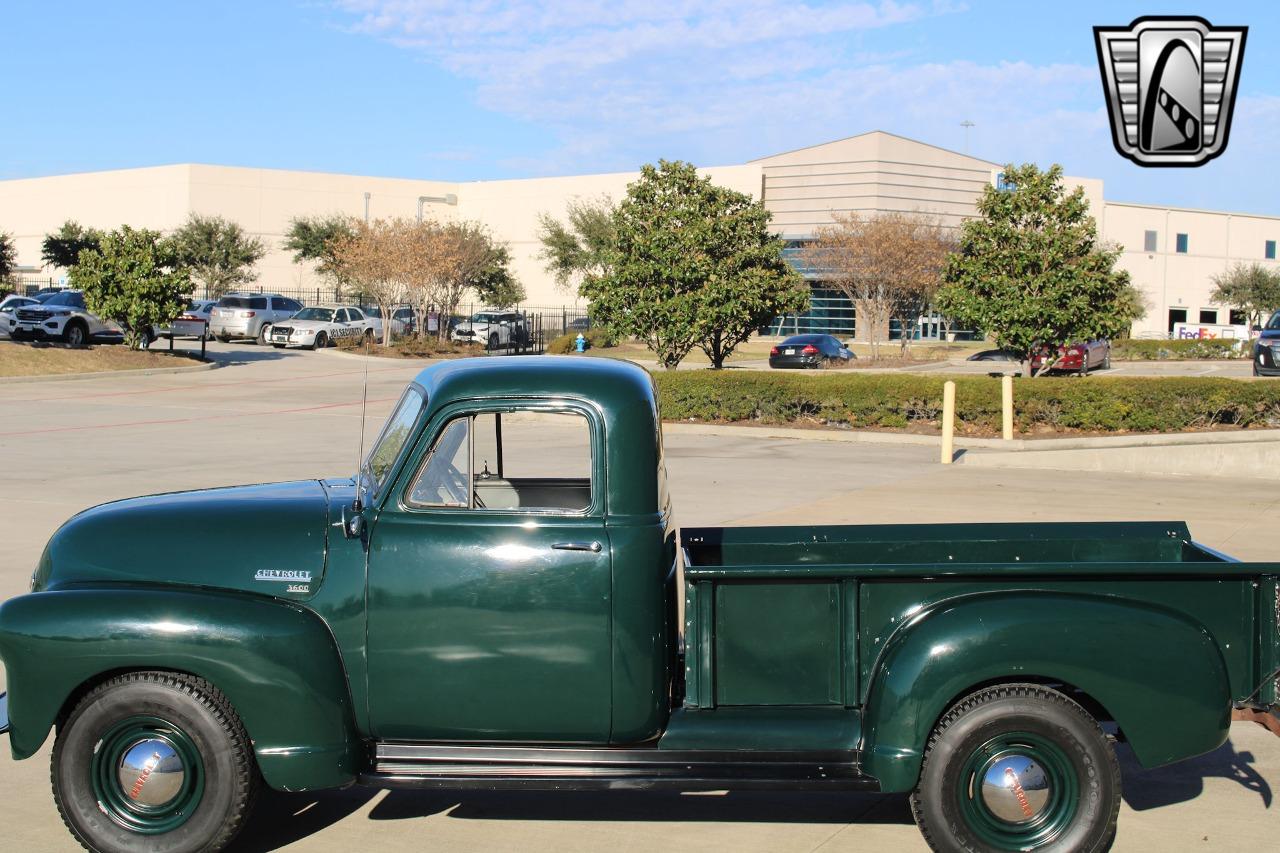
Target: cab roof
(605,381)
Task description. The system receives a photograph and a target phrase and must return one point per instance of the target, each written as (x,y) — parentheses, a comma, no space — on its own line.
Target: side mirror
(352,524)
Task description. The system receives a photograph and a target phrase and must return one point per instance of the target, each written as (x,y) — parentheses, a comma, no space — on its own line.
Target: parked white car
(62,317)
(493,329)
(195,314)
(249,315)
(8,309)
(319,326)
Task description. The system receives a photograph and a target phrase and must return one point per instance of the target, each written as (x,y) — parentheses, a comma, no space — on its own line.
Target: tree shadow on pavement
(1179,783)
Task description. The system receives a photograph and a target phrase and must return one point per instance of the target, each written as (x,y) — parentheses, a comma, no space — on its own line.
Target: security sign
(1170,85)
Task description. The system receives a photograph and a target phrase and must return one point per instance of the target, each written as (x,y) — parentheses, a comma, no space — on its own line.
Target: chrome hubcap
(1015,788)
(151,773)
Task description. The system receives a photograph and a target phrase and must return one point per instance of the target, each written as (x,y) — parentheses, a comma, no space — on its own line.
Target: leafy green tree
(495,284)
(1031,271)
(62,248)
(1250,288)
(694,265)
(8,258)
(316,239)
(134,278)
(217,251)
(579,247)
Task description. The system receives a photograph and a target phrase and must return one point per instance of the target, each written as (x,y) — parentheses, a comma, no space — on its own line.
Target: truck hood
(269,539)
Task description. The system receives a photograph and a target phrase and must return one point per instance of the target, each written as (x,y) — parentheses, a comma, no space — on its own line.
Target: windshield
(395,434)
(1274,322)
(69,298)
(325,314)
(482,318)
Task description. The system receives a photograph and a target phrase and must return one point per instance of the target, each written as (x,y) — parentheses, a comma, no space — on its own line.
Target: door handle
(593,547)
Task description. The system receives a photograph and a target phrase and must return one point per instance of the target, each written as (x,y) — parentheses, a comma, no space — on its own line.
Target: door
(490,584)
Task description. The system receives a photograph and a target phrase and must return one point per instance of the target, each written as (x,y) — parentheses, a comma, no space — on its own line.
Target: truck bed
(950,549)
(798,616)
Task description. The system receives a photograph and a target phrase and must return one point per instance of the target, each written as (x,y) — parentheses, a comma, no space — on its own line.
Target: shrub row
(1144,350)
(596,338)
(898,401)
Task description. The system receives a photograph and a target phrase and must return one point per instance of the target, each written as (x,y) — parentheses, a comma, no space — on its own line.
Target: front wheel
(154,761)
(76,335)
(321,341)
(1018,767)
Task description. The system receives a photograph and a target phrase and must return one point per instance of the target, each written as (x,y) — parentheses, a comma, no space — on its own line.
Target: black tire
(209,808)
(263,331)
(493,341)
(279,346)
(76,334)
(998,725)
(321,341)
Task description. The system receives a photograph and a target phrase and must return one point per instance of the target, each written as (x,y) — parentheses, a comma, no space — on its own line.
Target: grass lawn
(26,360)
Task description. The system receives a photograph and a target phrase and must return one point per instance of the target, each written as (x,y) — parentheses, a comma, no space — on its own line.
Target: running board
(561,768)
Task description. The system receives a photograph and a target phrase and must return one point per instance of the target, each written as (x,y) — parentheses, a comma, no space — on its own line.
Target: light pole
(367,196)
(447,198)
(966,124)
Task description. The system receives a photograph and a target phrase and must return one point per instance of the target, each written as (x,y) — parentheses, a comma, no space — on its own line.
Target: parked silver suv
(249,315)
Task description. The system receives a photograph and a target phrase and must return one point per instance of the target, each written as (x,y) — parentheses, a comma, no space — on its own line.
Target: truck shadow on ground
(282,819)
(1164,786)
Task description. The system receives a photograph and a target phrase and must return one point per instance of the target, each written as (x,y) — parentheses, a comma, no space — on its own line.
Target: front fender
(275,661)
(1160,675)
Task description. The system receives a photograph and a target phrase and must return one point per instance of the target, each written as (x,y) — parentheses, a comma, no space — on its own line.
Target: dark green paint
(466,626)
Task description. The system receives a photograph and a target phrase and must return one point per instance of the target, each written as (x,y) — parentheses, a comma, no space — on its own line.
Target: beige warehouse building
(1172,253)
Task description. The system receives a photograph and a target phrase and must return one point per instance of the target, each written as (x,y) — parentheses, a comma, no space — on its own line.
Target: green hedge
(1142,350)
(1092,404)
(596,338)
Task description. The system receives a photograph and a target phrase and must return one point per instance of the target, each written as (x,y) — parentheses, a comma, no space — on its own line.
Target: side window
(341,316)
(356,316)
(534,461)
(445,478)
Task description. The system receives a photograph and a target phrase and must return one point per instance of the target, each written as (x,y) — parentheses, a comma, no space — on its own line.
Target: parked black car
(803,351)
(994,355)
(1266,351)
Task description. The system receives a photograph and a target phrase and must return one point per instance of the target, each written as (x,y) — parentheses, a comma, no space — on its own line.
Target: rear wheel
(1018,767)
(153,761)
(263,333)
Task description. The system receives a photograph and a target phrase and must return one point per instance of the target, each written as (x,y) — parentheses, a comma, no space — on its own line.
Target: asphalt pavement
(273,415)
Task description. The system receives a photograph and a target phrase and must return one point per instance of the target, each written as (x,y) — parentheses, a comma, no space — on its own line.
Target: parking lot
(273,415)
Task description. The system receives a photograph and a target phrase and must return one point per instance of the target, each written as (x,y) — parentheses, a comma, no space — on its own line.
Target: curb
(1016,447)
(137,371)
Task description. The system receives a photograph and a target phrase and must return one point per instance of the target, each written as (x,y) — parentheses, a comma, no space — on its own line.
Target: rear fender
(1159,674)
(275,661)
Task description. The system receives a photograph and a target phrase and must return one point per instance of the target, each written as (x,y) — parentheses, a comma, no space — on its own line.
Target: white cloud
(724,81)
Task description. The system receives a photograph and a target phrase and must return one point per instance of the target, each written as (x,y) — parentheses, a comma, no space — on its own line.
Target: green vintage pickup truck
(500,600)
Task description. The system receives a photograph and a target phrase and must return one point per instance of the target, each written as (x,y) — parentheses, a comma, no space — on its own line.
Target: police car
(319,326)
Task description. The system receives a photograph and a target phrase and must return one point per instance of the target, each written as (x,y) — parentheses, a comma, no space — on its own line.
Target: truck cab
(500,599)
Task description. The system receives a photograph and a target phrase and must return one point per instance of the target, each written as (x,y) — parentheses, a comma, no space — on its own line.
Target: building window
(1176,315)
(1149,241)
(1209,316)
(1238,318)
(1181,247)
(1003,184)
(1269,252)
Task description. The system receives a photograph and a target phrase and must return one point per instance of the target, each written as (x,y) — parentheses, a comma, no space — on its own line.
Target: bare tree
(371,259)
(889,266)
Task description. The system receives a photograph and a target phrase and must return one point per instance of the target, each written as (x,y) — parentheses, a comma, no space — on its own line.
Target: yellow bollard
(1006,404)
(948,422)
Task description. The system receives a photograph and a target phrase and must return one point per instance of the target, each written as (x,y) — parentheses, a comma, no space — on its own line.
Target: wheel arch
(275,662)
(1158,675)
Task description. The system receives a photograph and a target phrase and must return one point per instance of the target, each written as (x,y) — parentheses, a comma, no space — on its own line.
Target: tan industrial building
(1172,253)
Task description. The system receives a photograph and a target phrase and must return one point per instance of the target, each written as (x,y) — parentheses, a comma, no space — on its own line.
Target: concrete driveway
(272,415)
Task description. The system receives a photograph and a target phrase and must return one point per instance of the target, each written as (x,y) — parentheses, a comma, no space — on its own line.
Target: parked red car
(1074,358)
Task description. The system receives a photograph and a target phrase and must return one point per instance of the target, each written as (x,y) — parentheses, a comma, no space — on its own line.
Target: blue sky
(461,91)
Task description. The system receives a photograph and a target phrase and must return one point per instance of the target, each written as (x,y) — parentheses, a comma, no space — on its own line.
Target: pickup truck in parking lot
(500,599)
